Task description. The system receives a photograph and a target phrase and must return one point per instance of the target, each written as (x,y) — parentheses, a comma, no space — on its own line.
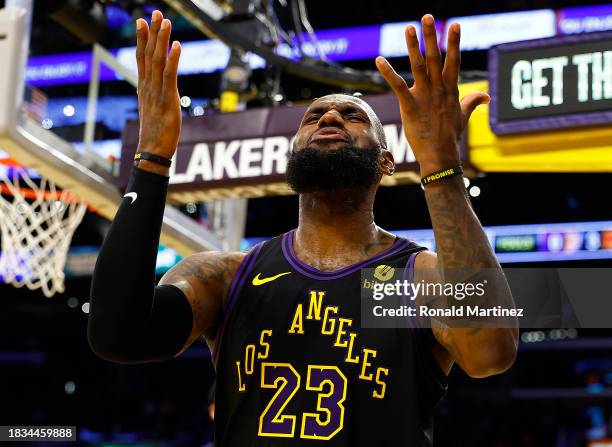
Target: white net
(36,226)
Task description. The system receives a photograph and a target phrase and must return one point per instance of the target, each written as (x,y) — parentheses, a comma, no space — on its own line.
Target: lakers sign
(244,154)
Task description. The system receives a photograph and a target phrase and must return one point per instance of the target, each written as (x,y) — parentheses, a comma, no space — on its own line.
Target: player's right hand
(159,106)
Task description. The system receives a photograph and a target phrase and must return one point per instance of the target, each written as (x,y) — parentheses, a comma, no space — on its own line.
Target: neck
(330,222)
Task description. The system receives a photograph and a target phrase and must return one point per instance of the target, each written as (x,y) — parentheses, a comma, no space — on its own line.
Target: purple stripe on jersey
(409,272)
(235,279)
(418,331)
(243,278)
(244,269)
(311,272)
(430,361)
(291,238)
(411,266)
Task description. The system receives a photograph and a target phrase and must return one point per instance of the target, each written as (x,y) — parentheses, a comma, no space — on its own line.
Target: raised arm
(434,121)
(131,320)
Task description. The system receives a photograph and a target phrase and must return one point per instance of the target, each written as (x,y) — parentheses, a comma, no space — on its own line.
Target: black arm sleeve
(130,319)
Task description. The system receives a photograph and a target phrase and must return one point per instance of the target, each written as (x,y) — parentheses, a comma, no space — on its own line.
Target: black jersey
(295,368)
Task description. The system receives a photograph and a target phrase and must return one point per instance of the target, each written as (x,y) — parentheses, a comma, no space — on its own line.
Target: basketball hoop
(36,225)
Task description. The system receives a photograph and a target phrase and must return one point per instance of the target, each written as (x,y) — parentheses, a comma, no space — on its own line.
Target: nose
(331,118)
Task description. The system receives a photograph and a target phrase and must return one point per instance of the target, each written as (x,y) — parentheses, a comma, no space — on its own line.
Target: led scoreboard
(552,83)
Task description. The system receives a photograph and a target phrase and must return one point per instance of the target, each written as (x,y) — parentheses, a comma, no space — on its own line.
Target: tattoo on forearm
(460,240)
(463,249)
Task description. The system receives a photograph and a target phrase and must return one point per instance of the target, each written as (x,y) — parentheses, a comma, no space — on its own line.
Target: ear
(387,162)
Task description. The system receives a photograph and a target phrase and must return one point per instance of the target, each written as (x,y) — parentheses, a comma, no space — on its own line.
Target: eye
(354,117)
(312,117)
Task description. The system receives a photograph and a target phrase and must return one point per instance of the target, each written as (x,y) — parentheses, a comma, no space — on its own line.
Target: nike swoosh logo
(132,195)
(257,281)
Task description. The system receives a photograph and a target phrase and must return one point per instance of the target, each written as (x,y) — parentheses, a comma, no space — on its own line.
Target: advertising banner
(551,83)
(584,19)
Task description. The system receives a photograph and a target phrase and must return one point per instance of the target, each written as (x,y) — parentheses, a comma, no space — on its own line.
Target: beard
(348,168)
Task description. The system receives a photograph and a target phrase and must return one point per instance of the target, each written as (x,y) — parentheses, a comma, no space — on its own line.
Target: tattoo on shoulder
(374,248)
(210,269)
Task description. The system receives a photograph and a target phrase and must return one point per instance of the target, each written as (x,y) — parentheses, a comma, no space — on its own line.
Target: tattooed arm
(204,278)
(434,121)
(477,347)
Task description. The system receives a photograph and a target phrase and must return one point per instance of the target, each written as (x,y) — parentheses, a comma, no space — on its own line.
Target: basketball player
(294,367)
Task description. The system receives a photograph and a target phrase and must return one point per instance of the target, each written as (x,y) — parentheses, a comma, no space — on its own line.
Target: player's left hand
(433,118)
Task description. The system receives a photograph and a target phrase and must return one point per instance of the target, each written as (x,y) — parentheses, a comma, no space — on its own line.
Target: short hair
(378,127)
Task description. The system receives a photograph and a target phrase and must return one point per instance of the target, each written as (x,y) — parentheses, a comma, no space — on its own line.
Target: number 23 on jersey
(327,381)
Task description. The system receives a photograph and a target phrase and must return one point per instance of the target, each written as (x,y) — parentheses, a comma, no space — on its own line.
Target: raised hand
(159,106)
(433,118)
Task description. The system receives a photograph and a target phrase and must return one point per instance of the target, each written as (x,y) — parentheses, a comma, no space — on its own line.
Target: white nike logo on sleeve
(132,195)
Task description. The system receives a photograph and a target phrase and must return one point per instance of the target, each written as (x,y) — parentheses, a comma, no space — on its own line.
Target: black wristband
(152,158)
(441,175)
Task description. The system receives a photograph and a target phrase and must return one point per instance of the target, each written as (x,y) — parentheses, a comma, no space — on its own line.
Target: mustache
(329,129)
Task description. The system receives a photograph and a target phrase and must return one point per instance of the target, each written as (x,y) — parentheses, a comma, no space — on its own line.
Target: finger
(452,64)
(471,101)
(142,34)
(160,55)
(417,63)
(171,70)
(156,19)
(433,58)
(395,81)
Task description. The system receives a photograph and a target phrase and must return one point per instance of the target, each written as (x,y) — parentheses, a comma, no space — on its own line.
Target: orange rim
(10,162)
(30,194)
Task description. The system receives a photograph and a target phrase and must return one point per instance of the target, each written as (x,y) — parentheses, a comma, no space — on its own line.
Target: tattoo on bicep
(205,279)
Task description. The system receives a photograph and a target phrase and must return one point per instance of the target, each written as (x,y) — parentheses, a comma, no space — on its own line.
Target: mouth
(329,134)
